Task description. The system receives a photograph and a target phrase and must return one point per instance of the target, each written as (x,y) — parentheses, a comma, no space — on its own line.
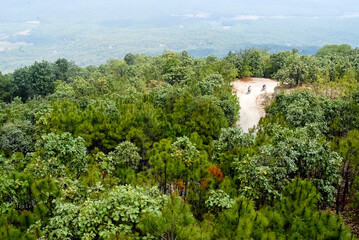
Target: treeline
(332,63)
(147,148)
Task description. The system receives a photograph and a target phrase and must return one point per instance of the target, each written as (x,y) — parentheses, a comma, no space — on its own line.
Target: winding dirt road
(251,104)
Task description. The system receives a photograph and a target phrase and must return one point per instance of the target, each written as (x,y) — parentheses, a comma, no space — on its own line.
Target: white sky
(46,9)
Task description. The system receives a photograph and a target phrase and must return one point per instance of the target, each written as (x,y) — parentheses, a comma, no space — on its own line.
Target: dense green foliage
(148,148)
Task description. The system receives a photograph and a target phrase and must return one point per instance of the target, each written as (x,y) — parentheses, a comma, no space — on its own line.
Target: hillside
(147,147)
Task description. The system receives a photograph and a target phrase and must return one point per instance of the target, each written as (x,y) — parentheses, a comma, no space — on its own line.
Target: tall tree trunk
(172,232)
(346,189)
(338,199)
(165,178)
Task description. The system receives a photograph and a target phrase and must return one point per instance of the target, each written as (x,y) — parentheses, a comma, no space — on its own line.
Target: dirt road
(251,104)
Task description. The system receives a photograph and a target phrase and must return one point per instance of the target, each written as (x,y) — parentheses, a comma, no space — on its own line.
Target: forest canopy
(148,148)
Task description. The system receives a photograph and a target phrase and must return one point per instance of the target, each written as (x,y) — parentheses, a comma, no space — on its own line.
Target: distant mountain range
(91,32)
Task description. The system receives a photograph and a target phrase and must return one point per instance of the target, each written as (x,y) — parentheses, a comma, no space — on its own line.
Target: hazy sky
(133,9)
(93,31)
